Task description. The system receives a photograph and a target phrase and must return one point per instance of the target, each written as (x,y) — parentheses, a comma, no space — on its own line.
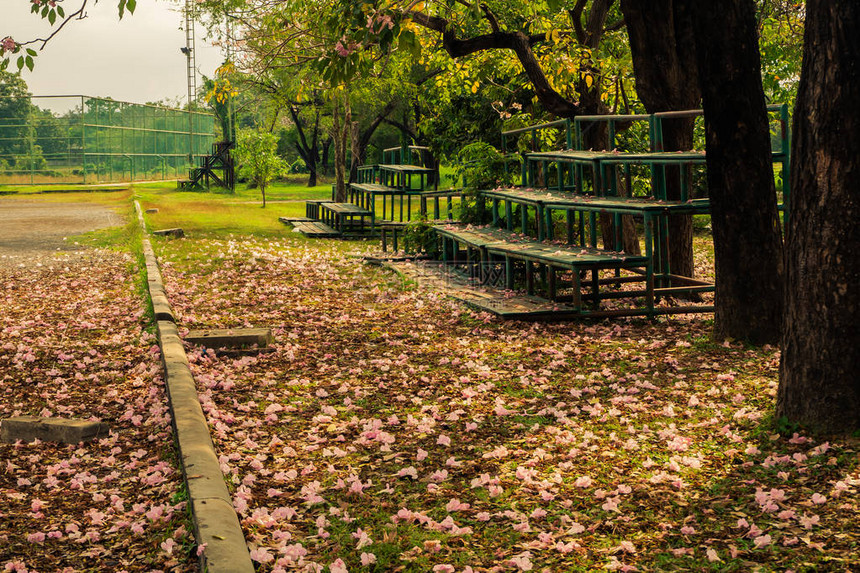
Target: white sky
(136,59)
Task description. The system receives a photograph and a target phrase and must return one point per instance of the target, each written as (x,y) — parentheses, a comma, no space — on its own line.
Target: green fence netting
(88,140)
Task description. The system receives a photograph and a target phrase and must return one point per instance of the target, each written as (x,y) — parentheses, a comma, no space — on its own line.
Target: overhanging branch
(519,42)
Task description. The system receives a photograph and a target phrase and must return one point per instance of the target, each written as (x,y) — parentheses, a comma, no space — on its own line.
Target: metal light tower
(231,104)
(191,64)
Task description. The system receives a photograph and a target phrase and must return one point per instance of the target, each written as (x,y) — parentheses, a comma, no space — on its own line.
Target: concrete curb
(216,525)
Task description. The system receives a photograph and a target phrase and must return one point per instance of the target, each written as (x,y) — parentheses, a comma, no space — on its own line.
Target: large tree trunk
(819,381)
(342,123)
(744,218)
(326,150)
(661,41)
(361,140)
(308,151)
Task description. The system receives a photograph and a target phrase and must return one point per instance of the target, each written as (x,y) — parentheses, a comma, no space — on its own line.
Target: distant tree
(258,158)
(51,132)
(15,109)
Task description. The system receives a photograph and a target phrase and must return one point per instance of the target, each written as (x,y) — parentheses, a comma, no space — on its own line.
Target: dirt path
(32,231)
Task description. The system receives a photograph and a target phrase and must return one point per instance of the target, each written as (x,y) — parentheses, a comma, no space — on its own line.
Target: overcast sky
(136,59)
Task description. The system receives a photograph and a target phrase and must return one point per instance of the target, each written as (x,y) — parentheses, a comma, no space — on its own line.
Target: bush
(419,237)
(482,166)
(298,166)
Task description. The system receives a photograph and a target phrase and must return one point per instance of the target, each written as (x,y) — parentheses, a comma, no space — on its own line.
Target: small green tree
(258,160)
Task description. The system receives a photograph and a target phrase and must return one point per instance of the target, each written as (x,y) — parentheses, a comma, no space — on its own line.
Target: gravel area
(31,232)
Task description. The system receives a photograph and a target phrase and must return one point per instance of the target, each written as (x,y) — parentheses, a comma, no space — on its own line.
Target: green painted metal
(591,172)
(84,140)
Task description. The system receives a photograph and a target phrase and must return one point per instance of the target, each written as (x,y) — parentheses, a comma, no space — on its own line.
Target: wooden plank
(344,208)
(315,229)
(373,188)
(231,338)
(405,168)
(502,242)
(561,200)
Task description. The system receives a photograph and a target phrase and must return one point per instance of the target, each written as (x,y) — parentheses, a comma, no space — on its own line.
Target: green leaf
(61,12)
(124,5)
(553,5)
(52,17)
(31,51)
(20,62)
(29,62)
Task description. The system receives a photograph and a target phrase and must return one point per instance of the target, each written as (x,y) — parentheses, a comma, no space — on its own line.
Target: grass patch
(222,213)
(61,189)
(117,199)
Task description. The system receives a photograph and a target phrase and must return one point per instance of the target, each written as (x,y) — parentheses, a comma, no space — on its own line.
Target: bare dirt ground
(31,232)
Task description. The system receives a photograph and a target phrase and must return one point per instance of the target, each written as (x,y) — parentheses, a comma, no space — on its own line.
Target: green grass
(60,189)
(220,212)
(119,199)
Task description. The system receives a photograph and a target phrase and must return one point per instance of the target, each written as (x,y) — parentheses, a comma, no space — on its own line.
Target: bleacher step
(314,229)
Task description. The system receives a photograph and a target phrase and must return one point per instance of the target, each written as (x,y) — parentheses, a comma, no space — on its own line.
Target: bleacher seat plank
(315,229)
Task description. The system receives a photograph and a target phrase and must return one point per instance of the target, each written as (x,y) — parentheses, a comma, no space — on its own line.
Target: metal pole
(83,143)
(192,75)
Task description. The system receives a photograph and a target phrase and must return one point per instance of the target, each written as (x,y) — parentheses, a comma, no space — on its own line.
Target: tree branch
(615,26)
(380,117)
(401,126)
(520,43)
(76,15)
(491,18)
(596,20)
(575,14)
(428,76)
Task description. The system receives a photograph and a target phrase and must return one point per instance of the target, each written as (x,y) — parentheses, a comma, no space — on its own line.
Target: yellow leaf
(589,81)
(475,88)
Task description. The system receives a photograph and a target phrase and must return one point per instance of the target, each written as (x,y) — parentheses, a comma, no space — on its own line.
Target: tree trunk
(325,153)
(819,382)
(747,241)
(357,151)
(342,120)
(309,152)
(660,35)
(361,140)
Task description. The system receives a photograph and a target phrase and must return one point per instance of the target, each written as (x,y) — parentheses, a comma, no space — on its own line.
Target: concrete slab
(161,306)
(63,430)
(231,338)
(215,521)
(176,233)
(216,525)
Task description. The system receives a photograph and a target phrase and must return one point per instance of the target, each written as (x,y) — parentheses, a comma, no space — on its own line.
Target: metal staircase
(217,168)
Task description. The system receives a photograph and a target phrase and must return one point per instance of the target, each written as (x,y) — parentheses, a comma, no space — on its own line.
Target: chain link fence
(90,140)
